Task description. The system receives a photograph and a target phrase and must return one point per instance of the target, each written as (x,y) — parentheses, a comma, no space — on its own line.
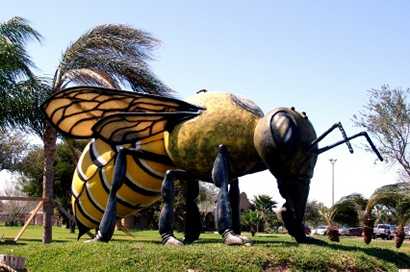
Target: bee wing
(74,111)
(125,128)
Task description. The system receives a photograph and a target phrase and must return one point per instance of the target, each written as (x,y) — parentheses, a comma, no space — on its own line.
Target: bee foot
(231,239)
(95,240)
(246,241)
(172,241)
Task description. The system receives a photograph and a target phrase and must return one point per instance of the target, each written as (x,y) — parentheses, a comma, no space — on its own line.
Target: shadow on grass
(400,259)
(21,241)
(275,243)
(11,243)
(146,241)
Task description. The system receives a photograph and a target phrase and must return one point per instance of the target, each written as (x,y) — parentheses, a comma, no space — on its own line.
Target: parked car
(344,231)
(357,231)
(307,230)
(384,231)
(407,232)
(320,230)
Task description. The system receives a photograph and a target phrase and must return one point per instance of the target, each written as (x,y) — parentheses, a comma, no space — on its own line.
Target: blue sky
(319,56)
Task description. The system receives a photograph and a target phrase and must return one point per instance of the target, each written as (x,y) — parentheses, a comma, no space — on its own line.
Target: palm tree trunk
(399,237)
(333,233)
(368,228)
(49,141)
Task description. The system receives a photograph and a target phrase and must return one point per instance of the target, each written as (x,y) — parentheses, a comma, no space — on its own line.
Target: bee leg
(295,193)
(220,176)
(166,218)
(108,221)
(234,199)
(193,223)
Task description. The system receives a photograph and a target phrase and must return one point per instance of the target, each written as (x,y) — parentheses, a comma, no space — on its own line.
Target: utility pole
(333,161)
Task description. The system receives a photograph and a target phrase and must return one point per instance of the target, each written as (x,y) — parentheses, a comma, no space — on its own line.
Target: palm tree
(328,215)
(251,220)
(15,62)
(348,206)
(352,206)
(108,55)
(264,203)
(21,91)
(312,215)
(402,217)
(264,206)
(395,198)
(16,76)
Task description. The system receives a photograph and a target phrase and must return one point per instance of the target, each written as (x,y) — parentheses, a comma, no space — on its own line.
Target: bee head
(282,139)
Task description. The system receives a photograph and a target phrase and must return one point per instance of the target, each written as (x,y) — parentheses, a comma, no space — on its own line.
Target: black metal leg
(234,198)
(296,193)
(220,176)
(193,224)
(107,224)
(166,219)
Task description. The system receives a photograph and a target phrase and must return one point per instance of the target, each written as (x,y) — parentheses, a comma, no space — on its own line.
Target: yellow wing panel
(75,111)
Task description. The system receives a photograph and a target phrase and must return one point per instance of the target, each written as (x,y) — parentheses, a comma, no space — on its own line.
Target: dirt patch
(268,267)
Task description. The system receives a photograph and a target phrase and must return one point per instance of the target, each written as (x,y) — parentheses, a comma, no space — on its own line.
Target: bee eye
(283,129)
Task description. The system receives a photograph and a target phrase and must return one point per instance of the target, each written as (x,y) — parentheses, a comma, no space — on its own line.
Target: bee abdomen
(94,175)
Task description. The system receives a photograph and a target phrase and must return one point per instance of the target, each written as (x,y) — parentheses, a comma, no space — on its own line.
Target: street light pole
(333,161)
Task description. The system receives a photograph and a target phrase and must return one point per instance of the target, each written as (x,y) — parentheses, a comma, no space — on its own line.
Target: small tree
(348,210)
(15,210)
(386,116)
(31,168)
(251,220)
(312,213)
(328,215)
(13,147)
(264,206)
(207,197)
(395,198)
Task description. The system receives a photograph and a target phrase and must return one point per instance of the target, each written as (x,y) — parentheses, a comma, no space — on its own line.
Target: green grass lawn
(143,252)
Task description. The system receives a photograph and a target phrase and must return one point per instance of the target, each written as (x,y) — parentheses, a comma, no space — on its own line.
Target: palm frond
(327,215)
(119,52)
(354,199)
(88,77)
(264,202)
(21,105)
(385,198)
(18,31)
(401,187)
(15,63)
(403,210)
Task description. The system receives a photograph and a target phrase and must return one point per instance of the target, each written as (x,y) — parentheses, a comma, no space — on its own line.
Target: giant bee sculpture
(142,143)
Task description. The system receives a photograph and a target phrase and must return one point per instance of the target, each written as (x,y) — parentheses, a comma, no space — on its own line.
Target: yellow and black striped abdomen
(94,175)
